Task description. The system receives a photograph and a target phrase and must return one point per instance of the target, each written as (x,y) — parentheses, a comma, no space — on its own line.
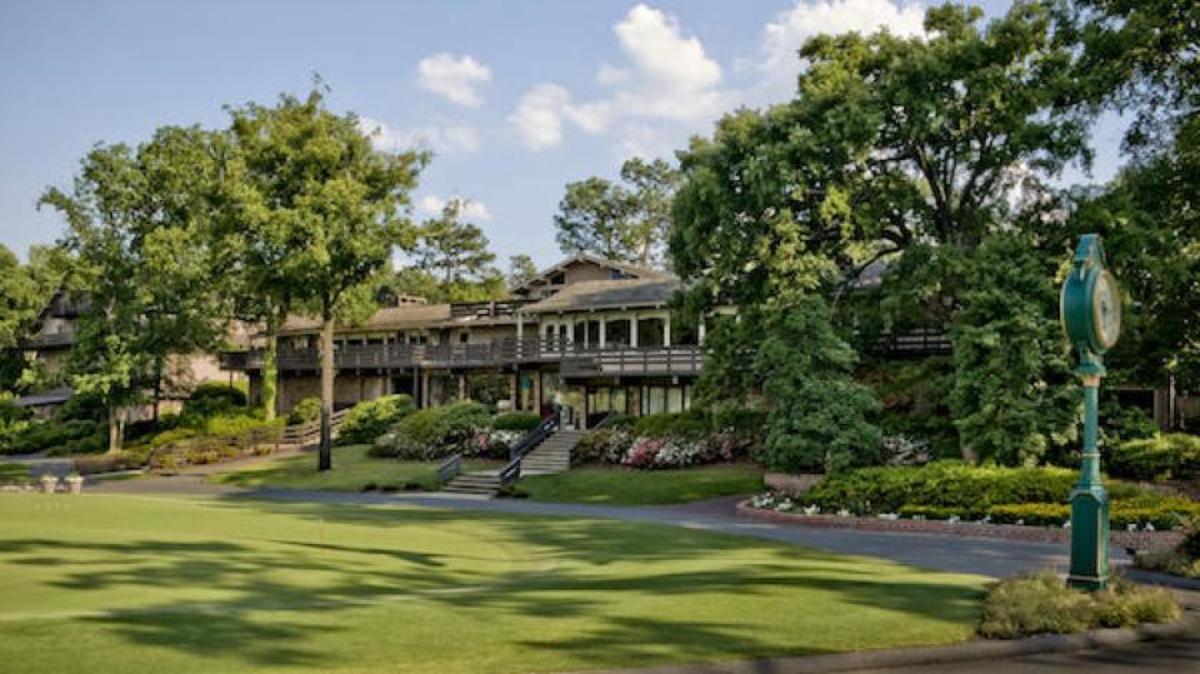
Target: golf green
(129,584)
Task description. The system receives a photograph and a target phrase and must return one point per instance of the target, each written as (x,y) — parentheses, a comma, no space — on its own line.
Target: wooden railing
(917,342)
(578,358)
(512,471)
(310,431)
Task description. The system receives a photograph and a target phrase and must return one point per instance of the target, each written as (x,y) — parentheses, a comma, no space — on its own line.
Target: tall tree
(626,222)
(452,249)
(138,223)
(521,269)
(333,206)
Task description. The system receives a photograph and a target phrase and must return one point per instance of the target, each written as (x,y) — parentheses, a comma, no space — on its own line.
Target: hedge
(368,420)
(1162,457)
(436,432)
(683,424)
(516,421)
(308,409)
(212,398)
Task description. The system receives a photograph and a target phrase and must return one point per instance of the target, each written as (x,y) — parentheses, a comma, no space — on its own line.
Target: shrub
(369,420)
(106,463)
(516,421)
(1041,603)
(61,437)
(437,432)
(692,423)
(212,398)
(305,411)
(1190,545)
(607,445)
(1161,457)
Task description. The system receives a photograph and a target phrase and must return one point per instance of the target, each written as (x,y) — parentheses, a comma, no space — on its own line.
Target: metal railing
(450,468)
(916,342)
(529,442)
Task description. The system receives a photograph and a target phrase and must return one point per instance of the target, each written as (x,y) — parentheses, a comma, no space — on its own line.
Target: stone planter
(49,484)
(75,484)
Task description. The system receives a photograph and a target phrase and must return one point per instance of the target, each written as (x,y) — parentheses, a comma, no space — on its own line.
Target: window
(617,332)
(651,332)
(675,399)
(655,401)
(558,279)
(463,337)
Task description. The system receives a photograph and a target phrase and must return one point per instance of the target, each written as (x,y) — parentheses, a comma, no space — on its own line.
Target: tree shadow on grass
(564,569)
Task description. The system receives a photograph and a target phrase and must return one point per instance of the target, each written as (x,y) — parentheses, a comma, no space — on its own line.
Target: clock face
(1106,310)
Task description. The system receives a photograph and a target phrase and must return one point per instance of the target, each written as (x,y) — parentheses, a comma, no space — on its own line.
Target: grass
(623,486)
(13,473)
(105,583)
(352,470)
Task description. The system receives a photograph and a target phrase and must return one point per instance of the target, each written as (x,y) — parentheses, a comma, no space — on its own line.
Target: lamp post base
(1089,538)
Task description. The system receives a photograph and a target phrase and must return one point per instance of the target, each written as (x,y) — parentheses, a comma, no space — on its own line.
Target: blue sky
(515,98)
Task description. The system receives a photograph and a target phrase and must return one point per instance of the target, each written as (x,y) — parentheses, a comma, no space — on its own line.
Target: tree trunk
(115,430)
(158,375)
(270,368)
(325,452)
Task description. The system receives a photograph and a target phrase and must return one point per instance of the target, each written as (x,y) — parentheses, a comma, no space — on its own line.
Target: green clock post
(1090,310)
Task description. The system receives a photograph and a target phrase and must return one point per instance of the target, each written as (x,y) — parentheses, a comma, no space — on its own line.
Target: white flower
(1067,524)
(812,510)
(1149,526)
(843,513)
(1131,527)
(954,519)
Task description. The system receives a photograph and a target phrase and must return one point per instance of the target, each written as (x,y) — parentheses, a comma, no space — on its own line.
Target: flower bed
(627,447)
(894,523)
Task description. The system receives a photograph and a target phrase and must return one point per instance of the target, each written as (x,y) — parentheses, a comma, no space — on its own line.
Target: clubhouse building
(589,335)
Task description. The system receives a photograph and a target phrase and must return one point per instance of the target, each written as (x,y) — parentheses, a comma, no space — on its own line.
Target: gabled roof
(388,318)
(586,295)
(631,270)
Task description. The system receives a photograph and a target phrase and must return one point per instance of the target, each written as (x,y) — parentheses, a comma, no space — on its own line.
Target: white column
(700,331)
(520,327)
(603,329)
(633,321)
(667,329)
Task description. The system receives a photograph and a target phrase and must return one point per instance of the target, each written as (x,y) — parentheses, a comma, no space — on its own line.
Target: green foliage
(818,416)
(53,435)
(1041,603)
(212,398)
(521,269)
(1162,457)
(435,432)
(452,250)
(915,402)
(689,424)
(516,421)
(1013,396)
(627,222)
(305,411)
(370,419)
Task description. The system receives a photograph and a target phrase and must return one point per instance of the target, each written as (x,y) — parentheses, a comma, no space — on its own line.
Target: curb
(910,657)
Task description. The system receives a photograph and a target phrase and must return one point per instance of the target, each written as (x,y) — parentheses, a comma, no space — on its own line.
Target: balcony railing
(576,359)
(47,340)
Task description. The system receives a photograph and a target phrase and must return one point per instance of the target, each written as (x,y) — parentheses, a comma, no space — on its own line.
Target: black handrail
(450,468)
(512,471)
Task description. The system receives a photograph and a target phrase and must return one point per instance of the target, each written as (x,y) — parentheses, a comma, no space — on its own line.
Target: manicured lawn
(352,470)
(104,583)
(623,486)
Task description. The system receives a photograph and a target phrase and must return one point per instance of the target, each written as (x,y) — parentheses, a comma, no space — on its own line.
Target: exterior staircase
(551,455)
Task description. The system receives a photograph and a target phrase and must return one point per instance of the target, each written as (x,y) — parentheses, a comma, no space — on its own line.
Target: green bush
(1161,457)
(516,421)
(305,411)
(436,432)
(1190,545)
(371,419)
(60,437)
(212,398)
(1041,603)
(691,423)
(606,445)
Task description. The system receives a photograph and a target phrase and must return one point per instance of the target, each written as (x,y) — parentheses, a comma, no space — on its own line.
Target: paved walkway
(992,557)
(1154,657)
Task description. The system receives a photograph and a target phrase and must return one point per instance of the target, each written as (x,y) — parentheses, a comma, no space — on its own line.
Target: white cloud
(432,204)
(456,78)
(447,139)
(783,37)
(543,110)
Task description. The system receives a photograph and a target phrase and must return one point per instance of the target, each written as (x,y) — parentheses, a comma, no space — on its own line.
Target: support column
(667,330)
(700,332)
(633,331)
(514,384)
(425,390)
(1089,502)
(603,330)
(537,392)
(462,387)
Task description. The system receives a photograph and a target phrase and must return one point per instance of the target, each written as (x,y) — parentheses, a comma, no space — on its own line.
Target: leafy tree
(627,222)
(138,224)
(521,269)
(1013,396)
(20,299)
(332,205)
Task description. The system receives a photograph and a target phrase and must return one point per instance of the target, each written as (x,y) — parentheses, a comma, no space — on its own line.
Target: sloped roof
(632,270)
(608,294)
(389,318)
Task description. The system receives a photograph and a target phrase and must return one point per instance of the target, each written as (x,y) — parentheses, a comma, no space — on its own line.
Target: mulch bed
(1140,540)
